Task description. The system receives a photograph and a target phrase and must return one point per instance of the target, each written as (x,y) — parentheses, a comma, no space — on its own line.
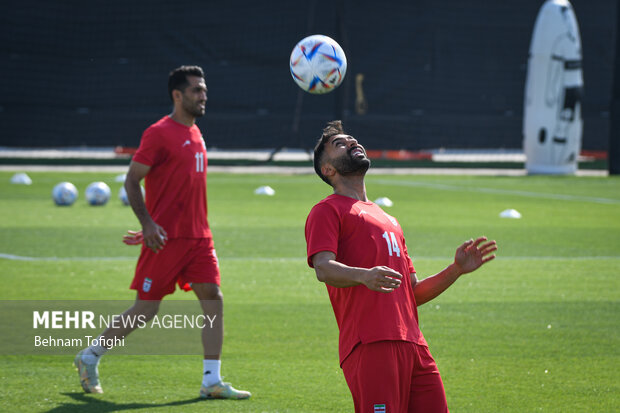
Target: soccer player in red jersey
(177,245)
(359,252)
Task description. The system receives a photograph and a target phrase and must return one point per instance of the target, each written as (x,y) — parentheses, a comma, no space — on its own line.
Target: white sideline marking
(501,191)
(531,258)
(302,259)
(12,257)
(24,258)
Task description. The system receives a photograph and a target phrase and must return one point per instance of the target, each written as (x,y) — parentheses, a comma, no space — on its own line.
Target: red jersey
(176,185)
(361,234)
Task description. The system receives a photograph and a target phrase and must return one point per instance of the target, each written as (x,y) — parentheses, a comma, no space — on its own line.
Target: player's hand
(382,279)
(154,237)
(471,255)
(134,238)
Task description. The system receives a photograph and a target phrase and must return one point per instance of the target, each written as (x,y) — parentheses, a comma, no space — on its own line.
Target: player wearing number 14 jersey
(177,246)
(359,252)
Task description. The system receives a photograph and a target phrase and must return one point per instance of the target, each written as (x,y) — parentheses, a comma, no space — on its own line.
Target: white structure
(552,123)
(21,179)
(265,190)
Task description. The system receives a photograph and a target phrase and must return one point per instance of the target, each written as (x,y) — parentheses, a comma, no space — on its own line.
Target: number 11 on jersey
(392,243)
(200,162)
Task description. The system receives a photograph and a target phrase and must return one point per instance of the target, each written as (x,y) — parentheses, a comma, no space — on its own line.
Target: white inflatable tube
(552,122)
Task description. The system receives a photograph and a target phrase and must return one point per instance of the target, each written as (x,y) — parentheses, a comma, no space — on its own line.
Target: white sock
(93,354)
(211,372)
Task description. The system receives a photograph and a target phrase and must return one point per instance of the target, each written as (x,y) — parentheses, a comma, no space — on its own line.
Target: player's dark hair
(177,80)
(332,128)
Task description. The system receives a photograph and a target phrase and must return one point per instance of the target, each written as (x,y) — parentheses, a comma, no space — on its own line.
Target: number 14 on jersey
(392,243)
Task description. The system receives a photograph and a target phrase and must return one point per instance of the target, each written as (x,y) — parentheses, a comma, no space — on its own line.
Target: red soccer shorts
(394,377)
(182,261)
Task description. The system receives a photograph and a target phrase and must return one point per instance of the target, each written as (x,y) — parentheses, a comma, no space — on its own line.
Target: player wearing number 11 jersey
(176,183)
(177,246)
(359,252)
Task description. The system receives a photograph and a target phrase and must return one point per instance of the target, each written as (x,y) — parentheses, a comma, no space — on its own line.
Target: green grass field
(536,330)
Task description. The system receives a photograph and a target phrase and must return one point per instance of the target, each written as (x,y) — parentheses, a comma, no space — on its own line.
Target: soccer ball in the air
(318,64)
(64,194)
(97,193)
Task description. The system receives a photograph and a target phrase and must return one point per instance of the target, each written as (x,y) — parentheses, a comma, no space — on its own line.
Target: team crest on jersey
(146,286)
(380,408)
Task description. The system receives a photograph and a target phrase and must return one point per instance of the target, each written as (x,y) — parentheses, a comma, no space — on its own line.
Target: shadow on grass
(93,404)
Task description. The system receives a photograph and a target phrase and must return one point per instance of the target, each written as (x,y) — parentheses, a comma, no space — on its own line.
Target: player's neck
(352,187)
(182,117)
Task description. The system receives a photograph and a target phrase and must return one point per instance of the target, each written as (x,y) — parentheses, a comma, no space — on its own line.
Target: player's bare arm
(470,256)
(336,274)
(154,236)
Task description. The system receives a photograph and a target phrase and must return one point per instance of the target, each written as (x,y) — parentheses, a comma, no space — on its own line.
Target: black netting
(444,73)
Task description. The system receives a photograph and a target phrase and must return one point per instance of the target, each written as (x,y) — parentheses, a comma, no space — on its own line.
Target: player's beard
(193,108)
(348,165)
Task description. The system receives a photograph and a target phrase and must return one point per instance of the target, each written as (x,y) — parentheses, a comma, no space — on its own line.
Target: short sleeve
(322,230)
(150,150)
(409,260)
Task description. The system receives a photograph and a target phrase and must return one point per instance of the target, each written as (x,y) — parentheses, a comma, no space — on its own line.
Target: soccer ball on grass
(122,195)
(64,194)
(97,193)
